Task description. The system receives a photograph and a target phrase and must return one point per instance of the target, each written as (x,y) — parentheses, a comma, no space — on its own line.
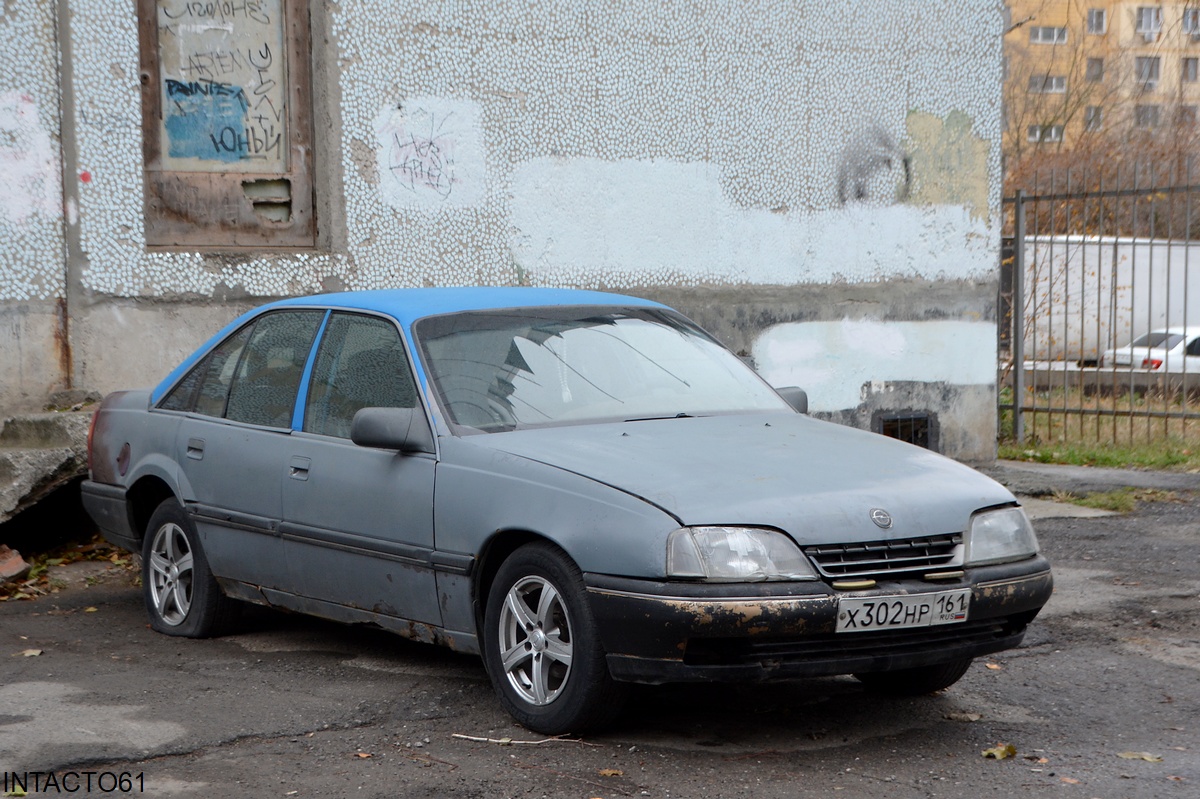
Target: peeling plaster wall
(32,283)
(677,149)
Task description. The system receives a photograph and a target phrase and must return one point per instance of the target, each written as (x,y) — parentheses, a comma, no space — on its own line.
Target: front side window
(267,378)
(535,367)
(360,363)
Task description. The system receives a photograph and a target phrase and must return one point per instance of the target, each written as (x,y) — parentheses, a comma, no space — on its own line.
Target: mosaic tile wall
(572,143)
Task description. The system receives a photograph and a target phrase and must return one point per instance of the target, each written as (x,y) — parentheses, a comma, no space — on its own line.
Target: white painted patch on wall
(28,162)
(429,151)
(832,361)
(582,219)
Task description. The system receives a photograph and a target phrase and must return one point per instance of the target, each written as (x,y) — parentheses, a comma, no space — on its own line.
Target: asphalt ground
(1102,700)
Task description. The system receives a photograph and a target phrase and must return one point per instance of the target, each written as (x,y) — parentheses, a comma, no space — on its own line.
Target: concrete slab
(1048,509)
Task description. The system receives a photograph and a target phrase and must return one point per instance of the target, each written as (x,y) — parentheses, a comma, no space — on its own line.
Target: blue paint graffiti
(206,120)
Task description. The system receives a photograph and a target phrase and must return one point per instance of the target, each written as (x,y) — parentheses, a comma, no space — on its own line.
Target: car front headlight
(1000,536)
(735,554)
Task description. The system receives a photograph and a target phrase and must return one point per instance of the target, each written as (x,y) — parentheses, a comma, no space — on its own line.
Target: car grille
(887,558)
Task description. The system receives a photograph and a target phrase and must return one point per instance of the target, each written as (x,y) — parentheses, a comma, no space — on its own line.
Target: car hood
(816,480)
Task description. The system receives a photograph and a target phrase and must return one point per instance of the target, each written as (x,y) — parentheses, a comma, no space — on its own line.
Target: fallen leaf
(17,791)
(995,667)
(964,716)
(1174,778)
(89,610)
(611,772)
(1149,758)
(29,653)
(364,754)
(1000,751)
(1070,780)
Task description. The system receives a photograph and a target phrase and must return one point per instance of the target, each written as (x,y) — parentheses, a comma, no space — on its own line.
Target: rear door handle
(298,469)
(195,448)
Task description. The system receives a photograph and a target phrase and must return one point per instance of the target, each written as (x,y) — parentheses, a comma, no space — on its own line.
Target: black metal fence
(1100,309)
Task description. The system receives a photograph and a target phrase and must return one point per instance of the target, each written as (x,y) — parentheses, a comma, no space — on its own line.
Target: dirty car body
(584,488)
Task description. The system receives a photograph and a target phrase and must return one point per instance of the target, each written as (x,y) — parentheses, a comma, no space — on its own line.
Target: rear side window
(264,387)
(253,375)
(212,376)
(1161,340)
(361,363)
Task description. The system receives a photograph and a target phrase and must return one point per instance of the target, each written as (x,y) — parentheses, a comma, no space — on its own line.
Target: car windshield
(1159,339)
(534,367)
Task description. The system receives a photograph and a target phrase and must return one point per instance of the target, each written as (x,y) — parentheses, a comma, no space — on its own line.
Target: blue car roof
(408,305)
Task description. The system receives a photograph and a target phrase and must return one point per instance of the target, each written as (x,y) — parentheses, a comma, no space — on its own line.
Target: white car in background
(1173,350)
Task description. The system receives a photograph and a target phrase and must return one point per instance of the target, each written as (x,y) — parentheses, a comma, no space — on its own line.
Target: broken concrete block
(12,565)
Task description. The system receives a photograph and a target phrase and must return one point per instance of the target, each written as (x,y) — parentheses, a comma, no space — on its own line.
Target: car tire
(182,598)
(915,682)
(555,679)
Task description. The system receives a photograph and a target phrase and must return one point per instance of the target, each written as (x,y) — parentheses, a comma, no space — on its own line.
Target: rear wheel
(918,681)
(182,598)
(541,647)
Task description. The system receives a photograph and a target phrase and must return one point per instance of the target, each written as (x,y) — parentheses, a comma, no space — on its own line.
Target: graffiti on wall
(224,85)
(429,153)
(28,164)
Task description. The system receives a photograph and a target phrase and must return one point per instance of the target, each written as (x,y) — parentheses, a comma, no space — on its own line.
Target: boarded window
(227,133)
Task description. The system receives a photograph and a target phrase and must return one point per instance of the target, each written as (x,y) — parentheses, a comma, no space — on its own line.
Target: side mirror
(794,396)
(404,429)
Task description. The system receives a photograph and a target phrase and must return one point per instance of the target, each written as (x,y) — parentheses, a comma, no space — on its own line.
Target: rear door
(232,445)
(358,527)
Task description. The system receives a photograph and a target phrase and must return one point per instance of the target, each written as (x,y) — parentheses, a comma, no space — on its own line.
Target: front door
(358,527)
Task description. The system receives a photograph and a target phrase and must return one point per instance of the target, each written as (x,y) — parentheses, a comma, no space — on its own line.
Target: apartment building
(1080,67)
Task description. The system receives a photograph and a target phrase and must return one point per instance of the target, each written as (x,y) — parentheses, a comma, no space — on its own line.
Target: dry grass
(1090,429)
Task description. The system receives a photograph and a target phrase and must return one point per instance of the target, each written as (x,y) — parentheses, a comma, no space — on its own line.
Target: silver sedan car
(586,489)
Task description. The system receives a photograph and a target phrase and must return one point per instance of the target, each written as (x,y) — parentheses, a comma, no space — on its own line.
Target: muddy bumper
(659,632)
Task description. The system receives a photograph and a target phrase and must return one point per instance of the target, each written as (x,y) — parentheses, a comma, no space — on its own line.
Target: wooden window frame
(230,210)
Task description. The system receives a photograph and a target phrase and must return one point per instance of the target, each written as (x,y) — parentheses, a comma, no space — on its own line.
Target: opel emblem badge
(881,518)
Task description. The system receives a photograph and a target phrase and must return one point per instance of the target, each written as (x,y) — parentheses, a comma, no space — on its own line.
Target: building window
(1046,34)
(1047,84)
(1093,118)
(1148,20)
(1146,70)
(1094,73)
(1097,21)
(1188,114)
(226,124)
(1191,21)
(1039,134)
(1190,70)
(1146,116)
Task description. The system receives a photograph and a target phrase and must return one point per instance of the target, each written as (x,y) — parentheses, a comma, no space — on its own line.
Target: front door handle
(195,448)
(298,469)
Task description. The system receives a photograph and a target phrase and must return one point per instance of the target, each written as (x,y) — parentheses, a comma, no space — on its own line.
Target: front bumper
(659,632)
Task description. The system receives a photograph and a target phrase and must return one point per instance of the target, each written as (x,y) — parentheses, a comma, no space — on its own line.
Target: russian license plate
(864,614)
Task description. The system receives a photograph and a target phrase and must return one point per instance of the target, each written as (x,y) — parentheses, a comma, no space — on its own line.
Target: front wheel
(917,681)
(182,598)
(541,647)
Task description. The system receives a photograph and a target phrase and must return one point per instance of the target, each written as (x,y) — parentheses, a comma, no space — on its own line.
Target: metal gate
(1100,310)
